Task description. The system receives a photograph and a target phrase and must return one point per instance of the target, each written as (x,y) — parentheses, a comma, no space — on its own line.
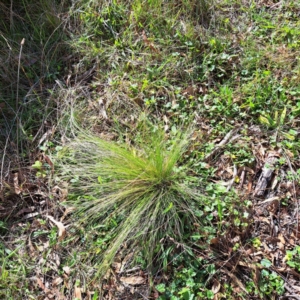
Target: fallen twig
(229,137)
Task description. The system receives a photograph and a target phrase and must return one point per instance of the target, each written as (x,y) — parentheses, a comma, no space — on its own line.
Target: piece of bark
(266,174)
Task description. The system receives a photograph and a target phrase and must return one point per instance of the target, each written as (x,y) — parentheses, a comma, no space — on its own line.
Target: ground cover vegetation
(149,149)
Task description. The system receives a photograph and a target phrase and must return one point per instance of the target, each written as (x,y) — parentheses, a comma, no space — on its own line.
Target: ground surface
(233,72)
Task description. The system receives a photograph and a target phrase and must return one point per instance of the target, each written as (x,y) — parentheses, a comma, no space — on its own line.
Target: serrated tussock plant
(147,188)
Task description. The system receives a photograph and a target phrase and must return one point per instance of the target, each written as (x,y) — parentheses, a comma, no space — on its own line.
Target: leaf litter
(275,224)
(274,216)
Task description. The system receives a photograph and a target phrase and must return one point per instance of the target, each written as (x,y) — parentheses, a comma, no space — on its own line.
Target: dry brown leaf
(126,259)
(296,288)
(292,238)
(26,210)
(266,248)
(16,184)
(216,287)
(61,228)
(117,266)
(281,242)
(68,209)
(293,272)
(149,43)
(58,294)
(133,280)
(77,293)
(120,288)
(66,281)
(57,281)
(156,294)
(45,245)
(54,260)
(46,135)
(256,275)
(67,270)
(31,248)
(249,186)
(40,283)
(189,91)
(62,194)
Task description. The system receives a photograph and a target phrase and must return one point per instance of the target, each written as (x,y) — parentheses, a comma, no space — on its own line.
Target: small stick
(228,138)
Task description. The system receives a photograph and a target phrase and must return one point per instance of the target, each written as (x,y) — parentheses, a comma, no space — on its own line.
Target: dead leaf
(133,280)
(67,270)
(61,228)
(125,261)
(46,136)
(189,91)
(45,245)
(68,209)
(117,267)
(216,287)
(249,186)
(281,243)
(41,285)
(77,293)
(156,294)
(102,111)
(120,288)
(296,288)
(16,184)
(57,281)
(149,43)
(66,281)
(62,194)
(29,216)
(53,261)
(31,248)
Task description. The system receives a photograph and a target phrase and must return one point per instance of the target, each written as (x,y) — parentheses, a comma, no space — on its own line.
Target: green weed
(292,258)
(13,282)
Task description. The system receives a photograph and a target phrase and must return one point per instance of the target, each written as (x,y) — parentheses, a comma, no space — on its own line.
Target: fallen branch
(266,174)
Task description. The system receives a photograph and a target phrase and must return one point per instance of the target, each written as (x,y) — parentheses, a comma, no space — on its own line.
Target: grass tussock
(146,187)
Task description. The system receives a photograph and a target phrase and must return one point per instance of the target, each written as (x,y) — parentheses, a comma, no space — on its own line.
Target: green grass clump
(146,189)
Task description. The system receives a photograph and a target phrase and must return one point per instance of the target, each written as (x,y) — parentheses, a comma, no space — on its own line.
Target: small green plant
(13,273)
(188,280)
(144,189)
(256,242)
(275,121)
(293,258)
(38,166)
(270,283)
